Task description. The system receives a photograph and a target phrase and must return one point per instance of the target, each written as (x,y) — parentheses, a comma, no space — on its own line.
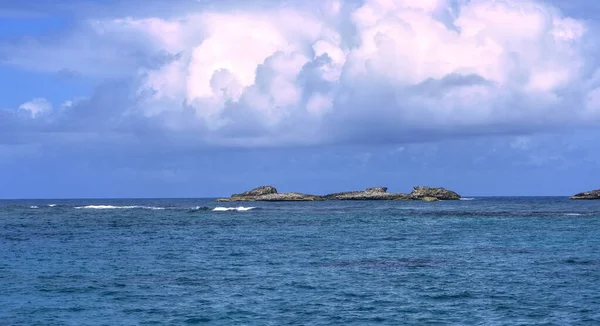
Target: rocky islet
(269,193)
(592,194)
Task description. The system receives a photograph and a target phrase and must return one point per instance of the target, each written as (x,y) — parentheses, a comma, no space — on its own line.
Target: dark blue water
(489,261)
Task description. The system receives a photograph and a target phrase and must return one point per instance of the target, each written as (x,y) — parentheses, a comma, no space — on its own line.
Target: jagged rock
(429,199)
(259,191)
(420,192)
(376,189)
(268,193)
(592,194)
(375,193)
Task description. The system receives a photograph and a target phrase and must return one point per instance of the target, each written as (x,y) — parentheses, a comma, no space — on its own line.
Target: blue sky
(202,99)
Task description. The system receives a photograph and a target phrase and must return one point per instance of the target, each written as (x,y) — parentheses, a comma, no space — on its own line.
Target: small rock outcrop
(259,191)
(592,194)
(421,192)
(375,193)
(268,193)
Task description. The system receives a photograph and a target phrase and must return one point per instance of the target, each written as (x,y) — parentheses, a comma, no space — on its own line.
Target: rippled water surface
(487,261)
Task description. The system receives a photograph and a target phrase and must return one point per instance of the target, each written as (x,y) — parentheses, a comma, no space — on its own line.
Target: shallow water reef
(269,193)
(592,194)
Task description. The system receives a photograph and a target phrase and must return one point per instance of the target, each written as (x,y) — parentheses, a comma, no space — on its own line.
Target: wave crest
(118,207)
(228,209)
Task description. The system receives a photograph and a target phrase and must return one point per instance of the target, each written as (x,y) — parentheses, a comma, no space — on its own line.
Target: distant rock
(592,194)
(375,193)
(421,192)
(268,193)
(259,191)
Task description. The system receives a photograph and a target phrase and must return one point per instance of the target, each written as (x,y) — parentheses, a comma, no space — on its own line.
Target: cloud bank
(376,71)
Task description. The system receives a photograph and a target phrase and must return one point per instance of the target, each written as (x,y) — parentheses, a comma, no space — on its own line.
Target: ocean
(483,261)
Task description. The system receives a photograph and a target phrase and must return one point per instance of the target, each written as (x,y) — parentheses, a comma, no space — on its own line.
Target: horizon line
(146,198)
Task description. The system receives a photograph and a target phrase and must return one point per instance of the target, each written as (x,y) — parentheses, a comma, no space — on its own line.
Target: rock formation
(376,193)
(420,192)
(269,193)
(592,194)
(260,191)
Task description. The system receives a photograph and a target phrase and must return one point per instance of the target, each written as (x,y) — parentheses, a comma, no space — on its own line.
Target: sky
(202,98)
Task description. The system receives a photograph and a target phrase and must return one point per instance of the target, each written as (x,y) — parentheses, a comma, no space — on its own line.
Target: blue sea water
(487,261)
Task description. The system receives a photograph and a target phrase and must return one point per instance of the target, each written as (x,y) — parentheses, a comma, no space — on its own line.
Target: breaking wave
(200,208)
(118,207)
(228,209)
(124,207)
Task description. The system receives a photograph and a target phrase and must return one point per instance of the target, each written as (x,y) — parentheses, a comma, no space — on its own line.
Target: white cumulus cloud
(383,70)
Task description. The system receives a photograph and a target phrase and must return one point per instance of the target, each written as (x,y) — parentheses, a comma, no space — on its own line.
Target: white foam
(227,209)
(51,205)
(118,207)
(467,198)
(33,207)
(573,214)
